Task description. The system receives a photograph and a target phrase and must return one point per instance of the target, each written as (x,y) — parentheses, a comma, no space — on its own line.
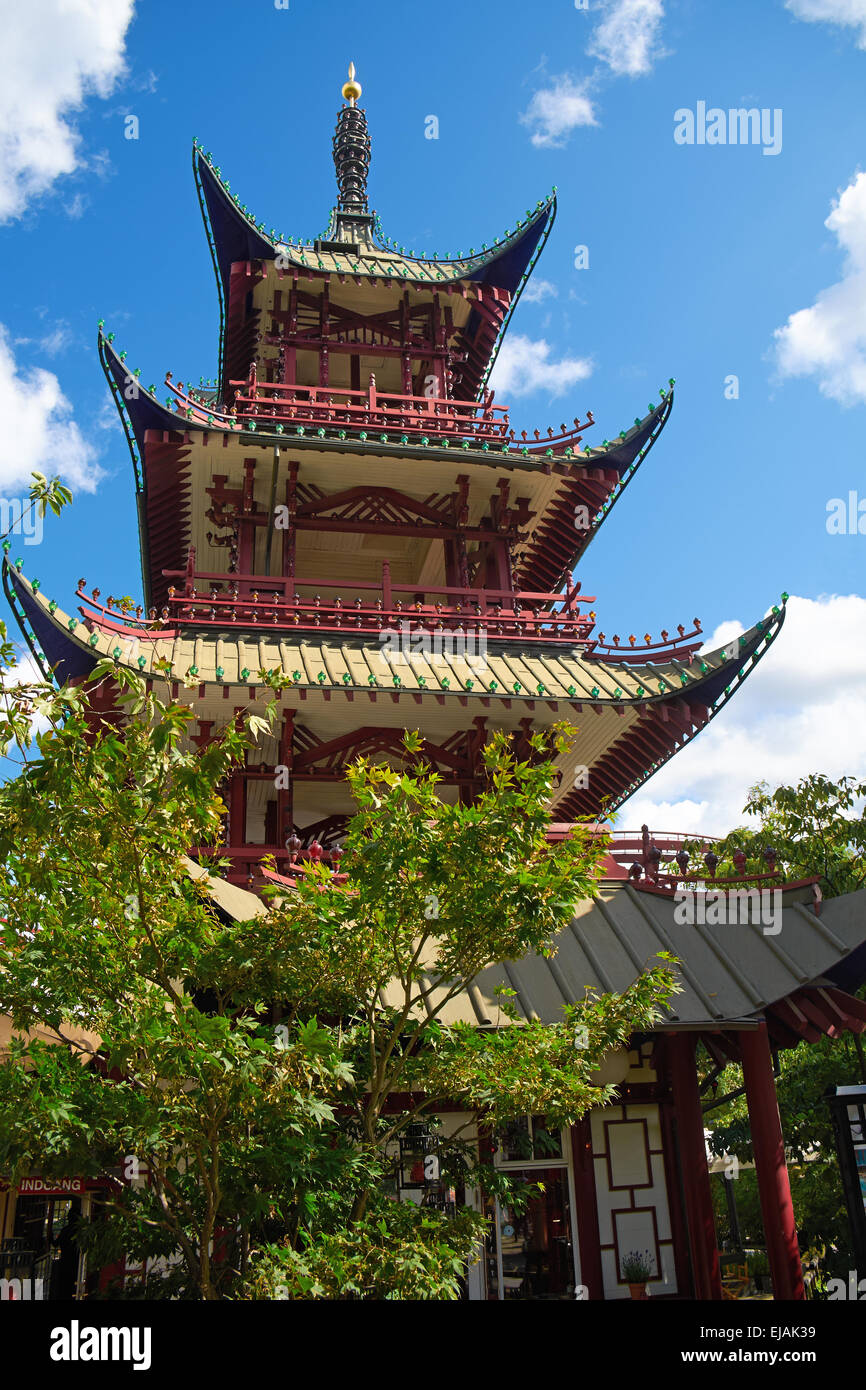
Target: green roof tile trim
(550,207)
(721,700)
(102,340)
(563,675)
(26,630)
(385,263)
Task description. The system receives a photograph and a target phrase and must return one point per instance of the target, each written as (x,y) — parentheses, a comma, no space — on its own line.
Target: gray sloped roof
(729,973)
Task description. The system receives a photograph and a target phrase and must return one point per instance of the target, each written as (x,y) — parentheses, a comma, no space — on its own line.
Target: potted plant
(637,1267)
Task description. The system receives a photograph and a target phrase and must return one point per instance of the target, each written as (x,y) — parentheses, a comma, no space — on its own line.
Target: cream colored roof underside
(360,555)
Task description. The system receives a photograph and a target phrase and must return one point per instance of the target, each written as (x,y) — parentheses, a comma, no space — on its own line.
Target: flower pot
(638,1290)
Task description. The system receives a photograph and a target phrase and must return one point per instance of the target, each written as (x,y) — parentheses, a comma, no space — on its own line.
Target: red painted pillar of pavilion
(774,1189)
(680,1054)
(588,1237)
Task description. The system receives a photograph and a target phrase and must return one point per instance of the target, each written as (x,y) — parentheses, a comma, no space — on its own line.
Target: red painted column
(777,1209)
(680,1053)
(586,1214)
(675,1190)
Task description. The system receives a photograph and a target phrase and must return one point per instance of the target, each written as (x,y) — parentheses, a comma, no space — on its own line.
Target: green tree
(817,830)
(260,1074)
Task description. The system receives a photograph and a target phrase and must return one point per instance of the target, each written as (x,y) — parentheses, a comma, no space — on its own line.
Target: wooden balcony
(276,407)
(216,600)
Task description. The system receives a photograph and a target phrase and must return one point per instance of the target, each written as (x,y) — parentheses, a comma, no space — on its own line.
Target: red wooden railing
(443,417)
(269,601)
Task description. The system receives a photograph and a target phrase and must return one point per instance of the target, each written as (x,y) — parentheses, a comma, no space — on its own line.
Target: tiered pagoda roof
(409,489)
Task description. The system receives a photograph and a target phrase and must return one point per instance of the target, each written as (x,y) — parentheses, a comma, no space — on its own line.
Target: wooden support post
(680,1057)
(238,811)
(290,534)
(324,329)
(285,806)
(586,1212)
(246,526)
(774,1188)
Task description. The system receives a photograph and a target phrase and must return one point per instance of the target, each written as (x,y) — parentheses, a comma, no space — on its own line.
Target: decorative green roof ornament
(245,673)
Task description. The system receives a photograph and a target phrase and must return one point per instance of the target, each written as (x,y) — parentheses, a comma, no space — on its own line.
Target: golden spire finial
(351,89)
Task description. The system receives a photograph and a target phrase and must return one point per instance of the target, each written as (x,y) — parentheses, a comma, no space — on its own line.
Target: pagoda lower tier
(348,695)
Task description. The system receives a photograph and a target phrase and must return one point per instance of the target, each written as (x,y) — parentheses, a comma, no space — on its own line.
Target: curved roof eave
(61,657)
(630,683)
(139,410)
(236,237)
(719,687)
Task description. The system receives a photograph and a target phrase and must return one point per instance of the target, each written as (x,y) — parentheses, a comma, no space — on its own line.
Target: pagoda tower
(346,507)
(345,522)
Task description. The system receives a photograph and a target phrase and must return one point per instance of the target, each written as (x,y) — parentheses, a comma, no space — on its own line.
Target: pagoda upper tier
(330,310)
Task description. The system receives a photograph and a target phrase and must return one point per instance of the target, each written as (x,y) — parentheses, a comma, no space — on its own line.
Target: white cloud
(54,55)
(627,38)
(851,13)
(39,431)
(828,340)
(524,366)
(802,710)
(538,290)
(558,109)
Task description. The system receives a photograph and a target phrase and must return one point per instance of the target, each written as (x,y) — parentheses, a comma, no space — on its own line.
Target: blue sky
(699,256)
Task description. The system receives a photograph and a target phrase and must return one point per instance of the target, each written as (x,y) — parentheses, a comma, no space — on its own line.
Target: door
(530,1255)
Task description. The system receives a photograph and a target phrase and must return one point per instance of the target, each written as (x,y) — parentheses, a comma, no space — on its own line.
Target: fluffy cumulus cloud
(828,340)
(849,13)
(558,109)
(627,37)
(54,55)
(39,432)
(626,42)
(524,365)
(539,290)
(802,710)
